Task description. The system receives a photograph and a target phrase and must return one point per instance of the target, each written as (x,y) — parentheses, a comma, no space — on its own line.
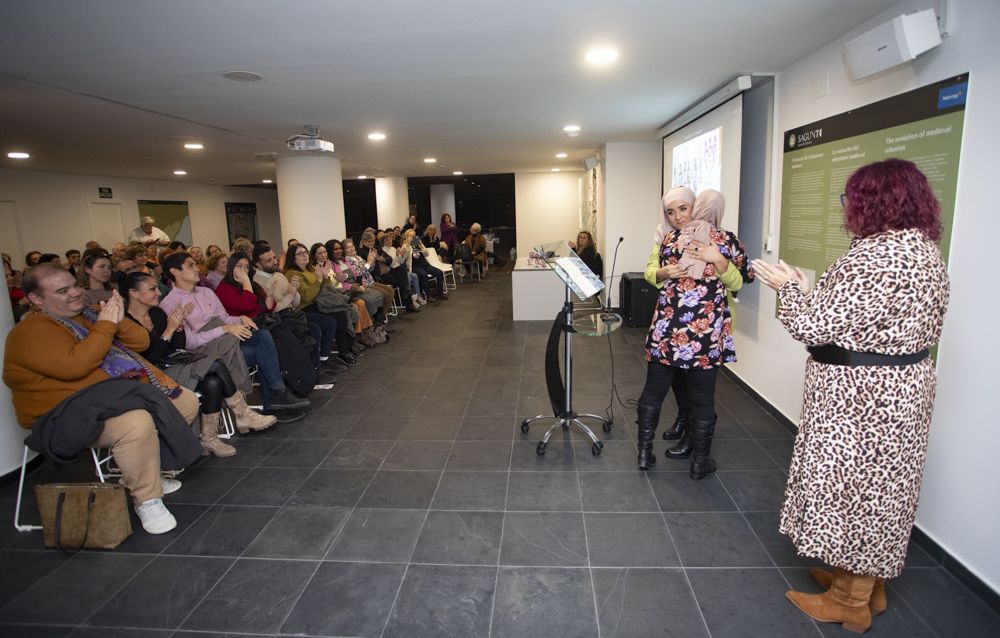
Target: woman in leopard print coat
(854,479)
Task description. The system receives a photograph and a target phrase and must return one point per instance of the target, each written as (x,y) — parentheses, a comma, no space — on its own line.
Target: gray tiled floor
(410,504)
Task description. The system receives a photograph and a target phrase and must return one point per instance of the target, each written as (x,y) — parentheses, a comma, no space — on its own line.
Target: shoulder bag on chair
(83,515)
(463,252)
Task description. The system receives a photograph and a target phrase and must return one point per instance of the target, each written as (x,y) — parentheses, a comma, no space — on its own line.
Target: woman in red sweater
(236,290)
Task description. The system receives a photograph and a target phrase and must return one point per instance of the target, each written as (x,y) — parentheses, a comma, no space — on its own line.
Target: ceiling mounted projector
(309,141)
(310,144)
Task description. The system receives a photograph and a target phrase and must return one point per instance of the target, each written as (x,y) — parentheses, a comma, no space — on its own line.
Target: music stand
(581,281)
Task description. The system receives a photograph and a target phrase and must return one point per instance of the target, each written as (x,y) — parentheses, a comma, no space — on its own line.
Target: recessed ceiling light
(456,172)
(362,177)
(429,160)
(601,56)
(180,172)
(242,76)
(18,155)
(555,170)
(561,155)
(376,136)
(194,146)
(267,181)
(571,128)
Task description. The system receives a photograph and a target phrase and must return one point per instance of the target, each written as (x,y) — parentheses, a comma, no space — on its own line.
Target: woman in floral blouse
(692,328)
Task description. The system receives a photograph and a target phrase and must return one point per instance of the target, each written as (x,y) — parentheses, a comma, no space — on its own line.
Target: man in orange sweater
(54,353)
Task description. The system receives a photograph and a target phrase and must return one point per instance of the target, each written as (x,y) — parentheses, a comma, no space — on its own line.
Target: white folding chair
(20,491)
(434,260)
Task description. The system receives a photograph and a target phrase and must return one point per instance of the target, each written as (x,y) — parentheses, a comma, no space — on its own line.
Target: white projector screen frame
(708,151)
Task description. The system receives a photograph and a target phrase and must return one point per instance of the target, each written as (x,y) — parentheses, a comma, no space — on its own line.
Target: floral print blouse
(692,326)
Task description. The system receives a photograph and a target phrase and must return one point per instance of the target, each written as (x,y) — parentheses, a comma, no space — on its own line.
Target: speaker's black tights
(215,386)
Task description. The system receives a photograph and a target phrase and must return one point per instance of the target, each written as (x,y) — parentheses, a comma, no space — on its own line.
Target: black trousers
(679,386)
(700,388)
(215,386)
(399,279)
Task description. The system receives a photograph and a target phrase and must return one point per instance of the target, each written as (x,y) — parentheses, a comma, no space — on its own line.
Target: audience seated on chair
(209,320)
(67,348)
(219,374)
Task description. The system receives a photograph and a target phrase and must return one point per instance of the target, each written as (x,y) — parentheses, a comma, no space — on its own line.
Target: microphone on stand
(608,314)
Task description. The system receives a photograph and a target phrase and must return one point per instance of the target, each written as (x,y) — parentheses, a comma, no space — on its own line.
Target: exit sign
(104,192)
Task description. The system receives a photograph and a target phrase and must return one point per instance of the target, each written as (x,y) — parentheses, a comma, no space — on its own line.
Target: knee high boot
(678,429)
(701,433)
(877,604)
(210,441)
(684,447)
(648,419)
(845,602)
(247,419)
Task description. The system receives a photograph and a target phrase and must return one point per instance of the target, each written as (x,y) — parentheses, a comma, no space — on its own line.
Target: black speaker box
(637,298)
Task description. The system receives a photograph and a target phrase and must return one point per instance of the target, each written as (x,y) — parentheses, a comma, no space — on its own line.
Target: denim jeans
(327,326)
(700,388)
(259,350)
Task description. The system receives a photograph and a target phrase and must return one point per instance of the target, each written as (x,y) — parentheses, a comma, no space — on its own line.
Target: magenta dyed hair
(891,195)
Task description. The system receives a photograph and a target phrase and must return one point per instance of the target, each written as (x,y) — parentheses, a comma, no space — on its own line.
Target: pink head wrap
(706,217)
(680,193)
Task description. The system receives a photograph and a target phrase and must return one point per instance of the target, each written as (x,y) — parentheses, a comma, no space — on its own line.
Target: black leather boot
(678,429)
(648,419)
(701,433)
(683,448)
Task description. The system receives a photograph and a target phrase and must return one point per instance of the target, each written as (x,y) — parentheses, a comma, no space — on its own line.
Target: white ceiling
(113,87)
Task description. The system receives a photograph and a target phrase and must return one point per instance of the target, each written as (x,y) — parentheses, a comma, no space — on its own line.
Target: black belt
(835,355)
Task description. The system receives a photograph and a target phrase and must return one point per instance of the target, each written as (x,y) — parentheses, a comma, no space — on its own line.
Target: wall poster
(923,125)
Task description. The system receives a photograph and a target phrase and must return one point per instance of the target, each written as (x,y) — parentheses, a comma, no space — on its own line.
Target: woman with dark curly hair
(854,479)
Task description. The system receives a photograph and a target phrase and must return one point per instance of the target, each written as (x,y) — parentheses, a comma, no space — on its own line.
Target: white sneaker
(170,485)
(155,517)
(324,358)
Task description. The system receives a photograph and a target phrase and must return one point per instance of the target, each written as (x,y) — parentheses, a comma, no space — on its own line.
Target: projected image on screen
(705,153)
(696,163)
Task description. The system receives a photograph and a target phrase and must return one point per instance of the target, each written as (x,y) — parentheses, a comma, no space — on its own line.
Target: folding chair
(434,260)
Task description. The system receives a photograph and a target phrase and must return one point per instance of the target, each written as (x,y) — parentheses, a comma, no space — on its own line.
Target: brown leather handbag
(83,515)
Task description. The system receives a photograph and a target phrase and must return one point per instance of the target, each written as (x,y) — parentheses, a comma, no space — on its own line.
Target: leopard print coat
(854,479)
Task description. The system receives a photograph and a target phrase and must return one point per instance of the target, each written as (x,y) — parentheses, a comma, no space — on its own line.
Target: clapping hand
(113,309)
(177,316)
(774,275)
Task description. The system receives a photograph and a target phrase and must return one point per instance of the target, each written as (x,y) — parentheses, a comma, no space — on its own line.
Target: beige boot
(247,419)
(845,602)
(877,603)
(210,441)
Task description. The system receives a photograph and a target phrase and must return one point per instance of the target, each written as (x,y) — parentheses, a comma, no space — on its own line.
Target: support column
(392,201)
(442,201)
(310,198)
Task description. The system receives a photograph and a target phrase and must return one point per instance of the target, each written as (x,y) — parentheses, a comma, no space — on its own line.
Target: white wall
(52,209)
(548,208)
(631,206)
(11,434)
(962,482)
(392,201)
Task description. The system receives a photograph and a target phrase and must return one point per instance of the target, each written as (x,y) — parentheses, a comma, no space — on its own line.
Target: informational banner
(923,126)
